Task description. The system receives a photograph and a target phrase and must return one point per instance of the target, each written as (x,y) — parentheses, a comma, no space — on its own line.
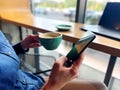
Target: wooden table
(101,43)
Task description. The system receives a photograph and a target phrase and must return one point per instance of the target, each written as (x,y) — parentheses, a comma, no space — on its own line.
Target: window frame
(80,11)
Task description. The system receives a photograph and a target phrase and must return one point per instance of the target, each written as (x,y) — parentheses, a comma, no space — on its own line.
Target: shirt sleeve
(19,50)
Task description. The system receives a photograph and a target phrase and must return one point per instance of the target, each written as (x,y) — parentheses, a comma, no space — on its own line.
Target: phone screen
(83,42)
(79,47)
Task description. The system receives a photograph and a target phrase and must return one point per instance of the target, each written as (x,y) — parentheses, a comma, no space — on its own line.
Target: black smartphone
(79,47)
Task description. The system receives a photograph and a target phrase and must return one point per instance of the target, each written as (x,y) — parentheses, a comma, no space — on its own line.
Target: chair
(36,63)
(8,36)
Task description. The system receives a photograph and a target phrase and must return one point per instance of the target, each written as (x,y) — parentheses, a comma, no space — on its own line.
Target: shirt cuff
(19,50)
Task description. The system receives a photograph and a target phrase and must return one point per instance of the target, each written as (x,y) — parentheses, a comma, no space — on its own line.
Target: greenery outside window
(55,9)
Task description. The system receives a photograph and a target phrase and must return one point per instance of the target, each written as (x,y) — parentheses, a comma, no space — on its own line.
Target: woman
(13,78)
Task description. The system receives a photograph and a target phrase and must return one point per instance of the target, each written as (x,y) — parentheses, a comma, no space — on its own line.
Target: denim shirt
(11,77)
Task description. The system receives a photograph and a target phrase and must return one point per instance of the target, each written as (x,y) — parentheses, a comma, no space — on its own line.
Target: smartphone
(79,47)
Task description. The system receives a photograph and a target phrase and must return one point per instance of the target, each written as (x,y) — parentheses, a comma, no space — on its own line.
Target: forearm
(78,84)
(48,86)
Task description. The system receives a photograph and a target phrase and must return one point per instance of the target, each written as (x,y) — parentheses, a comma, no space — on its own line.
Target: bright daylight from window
(66,9)
(55,9)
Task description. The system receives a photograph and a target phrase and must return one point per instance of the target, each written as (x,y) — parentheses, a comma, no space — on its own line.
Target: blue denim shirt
(11,77)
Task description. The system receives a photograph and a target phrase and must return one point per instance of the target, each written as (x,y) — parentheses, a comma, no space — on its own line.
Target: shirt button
(23,81)
(9,53)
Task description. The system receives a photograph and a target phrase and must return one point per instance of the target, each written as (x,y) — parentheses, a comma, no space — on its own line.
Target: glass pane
(55,9)
(95,9)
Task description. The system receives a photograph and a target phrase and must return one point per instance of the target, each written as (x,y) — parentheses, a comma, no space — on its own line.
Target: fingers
(32,45)
(62,60)
(77,63)
(31,41)
(34,38)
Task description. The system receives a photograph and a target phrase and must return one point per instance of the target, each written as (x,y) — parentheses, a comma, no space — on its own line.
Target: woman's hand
(31,41)
(60,74)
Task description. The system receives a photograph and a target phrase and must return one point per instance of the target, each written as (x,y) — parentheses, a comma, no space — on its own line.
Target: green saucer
(63,27)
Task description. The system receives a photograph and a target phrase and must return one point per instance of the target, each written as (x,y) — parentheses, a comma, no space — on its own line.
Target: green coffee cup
(50,40)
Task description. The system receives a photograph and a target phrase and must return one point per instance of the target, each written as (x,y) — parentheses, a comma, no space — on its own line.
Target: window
(66,9)
(94,10)
(55,9)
